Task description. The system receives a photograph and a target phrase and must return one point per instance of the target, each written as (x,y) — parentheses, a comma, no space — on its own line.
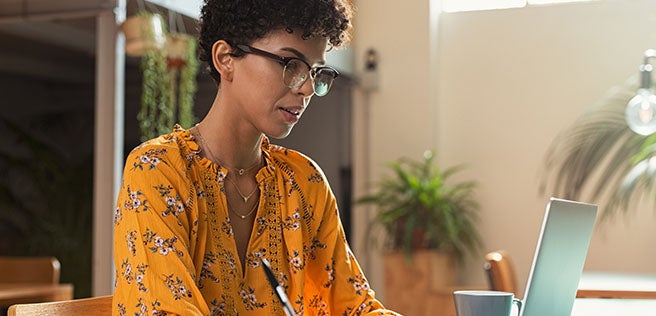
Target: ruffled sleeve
(154,226)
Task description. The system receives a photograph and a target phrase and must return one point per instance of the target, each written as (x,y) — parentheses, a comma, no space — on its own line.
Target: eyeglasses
(296,71)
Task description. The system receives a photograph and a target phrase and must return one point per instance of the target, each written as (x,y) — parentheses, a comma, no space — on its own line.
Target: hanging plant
(156,114)
(169,67)
(183,68)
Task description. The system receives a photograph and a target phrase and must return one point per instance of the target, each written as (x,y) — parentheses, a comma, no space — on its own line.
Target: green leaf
(600,155)
(418,201)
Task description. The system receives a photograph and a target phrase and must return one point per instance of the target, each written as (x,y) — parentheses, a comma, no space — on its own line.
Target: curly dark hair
(244,21)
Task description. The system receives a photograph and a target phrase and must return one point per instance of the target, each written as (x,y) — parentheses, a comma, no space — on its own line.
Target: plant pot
(177,49)
(409,282)
(143,33)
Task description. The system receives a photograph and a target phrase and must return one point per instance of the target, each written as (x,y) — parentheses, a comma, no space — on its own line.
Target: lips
(291,111)
(291,114)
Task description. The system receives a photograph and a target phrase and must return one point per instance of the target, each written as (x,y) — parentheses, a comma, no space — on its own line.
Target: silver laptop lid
(559,258)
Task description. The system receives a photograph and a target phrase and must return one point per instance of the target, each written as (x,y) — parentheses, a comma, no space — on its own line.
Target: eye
(294,66)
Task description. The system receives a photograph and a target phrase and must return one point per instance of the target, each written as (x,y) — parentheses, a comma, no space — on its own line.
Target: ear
(222,59)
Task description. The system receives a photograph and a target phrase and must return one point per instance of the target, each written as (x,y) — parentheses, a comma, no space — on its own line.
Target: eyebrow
(300,55)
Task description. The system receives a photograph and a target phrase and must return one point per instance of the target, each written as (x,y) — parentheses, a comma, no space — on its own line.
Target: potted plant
(429,226)
(600,158)
(144,32)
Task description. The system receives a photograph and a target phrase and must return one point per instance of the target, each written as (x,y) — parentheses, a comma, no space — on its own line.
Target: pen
(289,310)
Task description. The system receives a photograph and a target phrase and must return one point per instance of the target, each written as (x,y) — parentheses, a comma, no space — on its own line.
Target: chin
(280,134)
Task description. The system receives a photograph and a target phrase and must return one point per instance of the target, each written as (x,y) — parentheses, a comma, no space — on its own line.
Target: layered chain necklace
(240,172)
(244,197)
(244,216)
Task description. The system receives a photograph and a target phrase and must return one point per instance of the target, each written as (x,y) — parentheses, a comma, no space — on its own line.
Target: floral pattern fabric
(175,252)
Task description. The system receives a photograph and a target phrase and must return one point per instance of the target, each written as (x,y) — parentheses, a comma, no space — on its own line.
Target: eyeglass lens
(296,73)
(322,82)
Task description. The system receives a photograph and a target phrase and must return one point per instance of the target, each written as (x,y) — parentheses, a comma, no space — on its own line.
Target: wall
(398,118)
(507,81)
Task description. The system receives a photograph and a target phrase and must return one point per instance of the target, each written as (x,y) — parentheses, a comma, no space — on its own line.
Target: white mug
(485,303)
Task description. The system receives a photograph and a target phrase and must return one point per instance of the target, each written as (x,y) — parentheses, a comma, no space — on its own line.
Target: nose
(306,100)
(306,89)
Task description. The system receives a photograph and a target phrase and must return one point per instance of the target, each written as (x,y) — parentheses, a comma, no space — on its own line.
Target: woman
(199,209)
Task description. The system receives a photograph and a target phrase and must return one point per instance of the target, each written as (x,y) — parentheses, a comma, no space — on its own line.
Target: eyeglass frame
(284,60)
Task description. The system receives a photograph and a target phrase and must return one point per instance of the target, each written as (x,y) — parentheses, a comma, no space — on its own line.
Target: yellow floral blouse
(175,253)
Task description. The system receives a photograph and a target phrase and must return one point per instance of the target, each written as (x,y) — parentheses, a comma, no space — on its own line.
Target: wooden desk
(617,285)
(619,294)
(612,294)
(18,293)
(599,294)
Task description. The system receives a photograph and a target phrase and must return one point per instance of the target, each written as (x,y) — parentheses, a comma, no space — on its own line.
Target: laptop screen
(559,258)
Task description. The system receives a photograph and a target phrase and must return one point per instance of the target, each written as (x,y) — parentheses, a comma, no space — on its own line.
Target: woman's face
(267,103)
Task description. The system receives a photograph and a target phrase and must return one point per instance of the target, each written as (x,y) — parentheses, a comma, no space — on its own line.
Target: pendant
(241,172)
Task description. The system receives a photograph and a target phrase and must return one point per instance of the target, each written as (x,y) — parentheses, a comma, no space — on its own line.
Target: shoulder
(168,153)
(295,163)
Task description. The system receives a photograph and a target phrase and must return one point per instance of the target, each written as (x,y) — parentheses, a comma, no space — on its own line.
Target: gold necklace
(240,171)
(244,197)
(249,213)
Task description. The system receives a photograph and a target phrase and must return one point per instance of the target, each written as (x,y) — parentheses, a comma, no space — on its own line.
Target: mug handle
(519,305)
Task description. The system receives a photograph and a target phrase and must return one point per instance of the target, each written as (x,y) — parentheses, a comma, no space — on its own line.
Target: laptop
(559,258)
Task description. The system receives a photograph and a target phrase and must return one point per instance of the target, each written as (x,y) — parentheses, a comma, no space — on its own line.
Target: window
(474,5)
(555,1)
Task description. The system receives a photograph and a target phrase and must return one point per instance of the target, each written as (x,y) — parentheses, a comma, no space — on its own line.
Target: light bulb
(641,112)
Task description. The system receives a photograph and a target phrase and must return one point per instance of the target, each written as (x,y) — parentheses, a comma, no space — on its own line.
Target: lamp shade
(641,112)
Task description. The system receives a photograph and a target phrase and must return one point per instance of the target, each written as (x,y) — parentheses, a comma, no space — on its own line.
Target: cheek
(270,88)
(261,94)
(272,79)
(263,72)
(261,81)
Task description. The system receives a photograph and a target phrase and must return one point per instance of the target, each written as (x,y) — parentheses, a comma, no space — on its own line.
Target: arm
(334,270)
(152,230)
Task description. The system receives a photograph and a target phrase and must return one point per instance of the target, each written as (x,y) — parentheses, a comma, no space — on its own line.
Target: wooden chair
(500,271)
(29,270)
(31,280)
(97,306)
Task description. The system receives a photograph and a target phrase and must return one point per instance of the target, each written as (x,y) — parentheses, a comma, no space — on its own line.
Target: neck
(231,145)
